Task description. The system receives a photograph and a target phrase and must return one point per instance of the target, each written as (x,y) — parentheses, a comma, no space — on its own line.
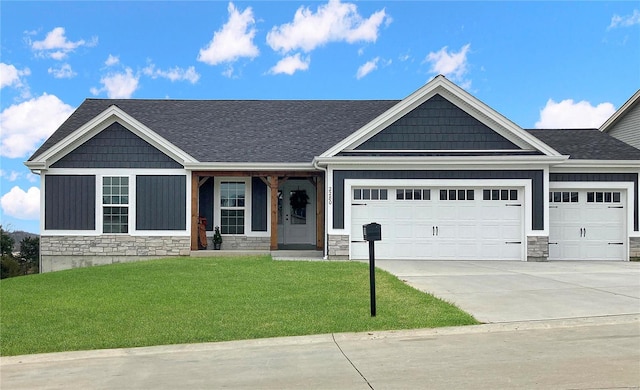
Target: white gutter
(440,160)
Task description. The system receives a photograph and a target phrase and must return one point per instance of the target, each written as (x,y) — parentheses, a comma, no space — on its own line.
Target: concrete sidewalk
(561,354)
(506,291)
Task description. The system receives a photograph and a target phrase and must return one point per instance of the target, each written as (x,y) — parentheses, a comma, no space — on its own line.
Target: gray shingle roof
(586,144)
(288,131)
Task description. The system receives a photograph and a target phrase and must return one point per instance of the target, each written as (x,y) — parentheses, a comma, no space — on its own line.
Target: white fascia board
(100,122)
(600,164)
(606,126)
(240,166)
(439,160)
(449,90)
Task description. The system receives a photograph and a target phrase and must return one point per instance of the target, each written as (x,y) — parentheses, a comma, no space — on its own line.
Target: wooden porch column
(195,192)
(273,185)
(320,213)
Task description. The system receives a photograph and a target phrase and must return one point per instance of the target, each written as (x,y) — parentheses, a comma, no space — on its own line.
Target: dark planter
(217,245)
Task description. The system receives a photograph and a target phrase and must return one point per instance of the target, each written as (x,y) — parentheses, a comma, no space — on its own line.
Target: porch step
(296,255)
(276,255)
(228,253)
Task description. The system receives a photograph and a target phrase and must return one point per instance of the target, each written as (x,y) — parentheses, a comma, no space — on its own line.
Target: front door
(297,213)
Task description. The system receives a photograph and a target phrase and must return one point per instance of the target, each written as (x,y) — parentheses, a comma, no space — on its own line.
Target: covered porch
(259,211)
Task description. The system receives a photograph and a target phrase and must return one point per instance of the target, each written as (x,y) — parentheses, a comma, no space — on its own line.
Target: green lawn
(190,300)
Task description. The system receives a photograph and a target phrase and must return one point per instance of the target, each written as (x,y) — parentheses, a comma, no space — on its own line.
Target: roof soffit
(99,123)
(460,98)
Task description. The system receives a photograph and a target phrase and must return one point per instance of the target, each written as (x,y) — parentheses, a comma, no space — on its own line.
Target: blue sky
(541,64)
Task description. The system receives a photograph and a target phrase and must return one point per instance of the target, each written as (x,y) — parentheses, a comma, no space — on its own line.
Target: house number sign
(330,198)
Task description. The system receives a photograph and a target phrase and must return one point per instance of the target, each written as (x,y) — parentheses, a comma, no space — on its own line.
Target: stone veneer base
(64,252)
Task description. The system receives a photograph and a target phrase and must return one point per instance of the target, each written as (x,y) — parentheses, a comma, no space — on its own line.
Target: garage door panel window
(412,194)
(457,194)
(603,197)
(564,197)
(500,194)
(370,194)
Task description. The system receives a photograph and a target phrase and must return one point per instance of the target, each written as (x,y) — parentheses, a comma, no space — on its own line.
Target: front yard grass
(191,300)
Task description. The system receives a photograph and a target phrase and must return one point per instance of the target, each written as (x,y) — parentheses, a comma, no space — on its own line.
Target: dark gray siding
(258,205)
(437,124)
(116,147)
(70,202)
(161,202)
(206,202)
(604,177)
(536,178)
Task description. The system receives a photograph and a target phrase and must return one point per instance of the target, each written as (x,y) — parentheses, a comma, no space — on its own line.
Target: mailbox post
(372,232)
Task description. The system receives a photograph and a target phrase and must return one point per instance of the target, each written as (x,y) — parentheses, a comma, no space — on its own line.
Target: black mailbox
(372,232)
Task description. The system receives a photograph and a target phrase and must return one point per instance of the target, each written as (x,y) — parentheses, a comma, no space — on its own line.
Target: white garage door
(587,225)
(440,223)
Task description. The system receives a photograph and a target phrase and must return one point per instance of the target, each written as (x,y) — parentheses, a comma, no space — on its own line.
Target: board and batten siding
(258,205)
(70,202)
(536,177)
(161,202)
(627,129)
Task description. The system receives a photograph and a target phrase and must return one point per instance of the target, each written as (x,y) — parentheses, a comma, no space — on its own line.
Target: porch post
(195,189)
(273,185)
(320,213)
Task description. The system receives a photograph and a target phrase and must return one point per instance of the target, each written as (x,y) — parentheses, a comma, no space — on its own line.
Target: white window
(232,207)
(115,204)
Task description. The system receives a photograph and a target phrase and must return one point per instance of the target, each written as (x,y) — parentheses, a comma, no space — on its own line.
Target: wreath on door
(299,199)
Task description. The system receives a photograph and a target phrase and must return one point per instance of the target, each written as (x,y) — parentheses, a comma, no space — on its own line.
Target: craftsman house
(445,175)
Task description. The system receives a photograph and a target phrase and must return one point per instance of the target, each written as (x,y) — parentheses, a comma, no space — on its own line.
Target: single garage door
(440,223)
(587,225)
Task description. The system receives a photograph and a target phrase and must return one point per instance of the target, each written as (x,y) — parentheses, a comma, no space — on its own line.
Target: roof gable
(437,124)
(476,126)
(116,147)
(68,138)
(621,112)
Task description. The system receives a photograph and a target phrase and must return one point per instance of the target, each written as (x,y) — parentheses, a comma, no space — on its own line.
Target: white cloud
(10,176)
(118,85)
(568,114)
(10,76)
(233,41)
(625,21)
(290,64)
(20,204)
(449,63)
(56,45)
(333,22)
(173,74)
(112,60)
(367,68)
(62,72)
(26,125)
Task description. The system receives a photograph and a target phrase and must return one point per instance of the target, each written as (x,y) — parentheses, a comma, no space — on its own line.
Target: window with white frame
(232,207)
(115,204)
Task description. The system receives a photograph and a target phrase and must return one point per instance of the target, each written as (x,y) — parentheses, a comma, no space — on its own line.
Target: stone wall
(537,248)
(232,243)
(634,248)
(338,247)
(65,252)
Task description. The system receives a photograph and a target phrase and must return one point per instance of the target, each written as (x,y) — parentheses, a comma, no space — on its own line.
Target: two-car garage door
(443,223)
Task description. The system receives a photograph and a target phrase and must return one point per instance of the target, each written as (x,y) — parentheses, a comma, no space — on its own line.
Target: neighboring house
(446,176)
(624,124)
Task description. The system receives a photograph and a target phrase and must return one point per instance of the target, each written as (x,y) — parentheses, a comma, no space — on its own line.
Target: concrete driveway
(508,291)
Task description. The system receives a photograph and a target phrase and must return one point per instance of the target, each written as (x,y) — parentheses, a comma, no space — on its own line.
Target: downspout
(325,249)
